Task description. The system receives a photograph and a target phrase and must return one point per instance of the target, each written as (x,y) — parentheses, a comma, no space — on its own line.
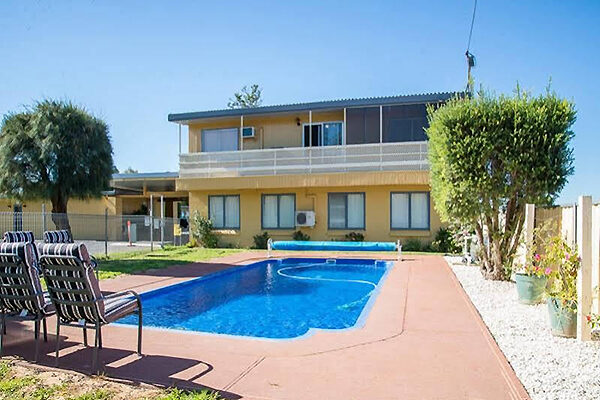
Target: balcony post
(380,138)
(309,140)
(241,132)
(344,129)
(179,129)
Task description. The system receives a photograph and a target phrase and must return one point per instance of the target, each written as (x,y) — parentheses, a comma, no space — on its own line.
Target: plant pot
(530,289)
(563,317)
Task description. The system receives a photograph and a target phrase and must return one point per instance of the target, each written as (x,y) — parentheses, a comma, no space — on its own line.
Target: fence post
(528,228)
(595,258)
(44,224)
(584,276)
(106,231)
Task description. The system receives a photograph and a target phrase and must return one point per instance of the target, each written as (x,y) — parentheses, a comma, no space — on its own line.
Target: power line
(472,23)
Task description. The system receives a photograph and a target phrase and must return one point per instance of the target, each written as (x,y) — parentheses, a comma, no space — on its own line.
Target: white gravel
(549,367)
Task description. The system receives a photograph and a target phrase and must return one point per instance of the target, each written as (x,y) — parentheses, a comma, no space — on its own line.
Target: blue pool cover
(333,246)
(268,299)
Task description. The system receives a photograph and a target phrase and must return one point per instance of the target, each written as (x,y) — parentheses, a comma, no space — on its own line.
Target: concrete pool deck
(423,339)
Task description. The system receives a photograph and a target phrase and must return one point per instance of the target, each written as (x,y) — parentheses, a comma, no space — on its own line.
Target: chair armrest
(124,292)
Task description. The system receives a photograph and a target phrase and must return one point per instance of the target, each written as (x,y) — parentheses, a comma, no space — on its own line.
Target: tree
(54,150)
(489,156)
(246,98)
(130,170)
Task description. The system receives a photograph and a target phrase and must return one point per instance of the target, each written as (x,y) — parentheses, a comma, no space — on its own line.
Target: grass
(129,263)
(25,384)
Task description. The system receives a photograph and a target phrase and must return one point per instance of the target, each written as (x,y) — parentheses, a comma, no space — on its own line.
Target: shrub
(412,245)
(489,156)
(192,243)
(354,237)
(301,236)
(260,240)
(445,242)
(202,231)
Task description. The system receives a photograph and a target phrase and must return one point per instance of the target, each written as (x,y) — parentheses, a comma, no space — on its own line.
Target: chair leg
(95,367)
(45,330)
(2,332)
(85,336)
(139,344)
(57,339)
(36,335)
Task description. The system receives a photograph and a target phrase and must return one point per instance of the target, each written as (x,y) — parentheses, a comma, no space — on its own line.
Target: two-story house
(327,168)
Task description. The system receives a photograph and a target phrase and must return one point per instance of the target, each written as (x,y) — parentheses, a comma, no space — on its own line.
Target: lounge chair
(76,294)
(18,236)
(21,295)
(60,236)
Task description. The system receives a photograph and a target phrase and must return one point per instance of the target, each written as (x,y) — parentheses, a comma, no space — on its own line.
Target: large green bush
(489,156)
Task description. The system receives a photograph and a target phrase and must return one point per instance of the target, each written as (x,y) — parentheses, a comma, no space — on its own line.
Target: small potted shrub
(562,288)
(531,281)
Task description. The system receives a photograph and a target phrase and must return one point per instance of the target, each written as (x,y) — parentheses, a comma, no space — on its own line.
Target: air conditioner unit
(305,218)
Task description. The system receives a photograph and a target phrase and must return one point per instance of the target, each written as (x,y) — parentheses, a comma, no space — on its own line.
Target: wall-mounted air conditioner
(305,218)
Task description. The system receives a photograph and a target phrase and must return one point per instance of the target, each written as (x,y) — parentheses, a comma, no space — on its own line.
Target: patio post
(162,221)
(151,223)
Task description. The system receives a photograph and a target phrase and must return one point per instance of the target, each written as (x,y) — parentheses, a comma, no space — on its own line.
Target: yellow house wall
(270,131)
(377,213)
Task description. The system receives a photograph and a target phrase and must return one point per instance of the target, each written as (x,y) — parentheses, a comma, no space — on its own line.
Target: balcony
(406,156)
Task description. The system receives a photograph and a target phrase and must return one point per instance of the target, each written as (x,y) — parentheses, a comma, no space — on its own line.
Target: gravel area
(549,367)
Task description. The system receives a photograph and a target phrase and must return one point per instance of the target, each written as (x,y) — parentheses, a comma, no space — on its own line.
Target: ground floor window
(224,211)
(278,211)
(346,211)
(409,210)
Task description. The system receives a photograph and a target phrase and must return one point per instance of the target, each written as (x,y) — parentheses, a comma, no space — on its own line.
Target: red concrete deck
(423,339)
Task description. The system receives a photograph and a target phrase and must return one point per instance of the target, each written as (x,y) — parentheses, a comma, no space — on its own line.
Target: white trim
(344,128)
(380,124)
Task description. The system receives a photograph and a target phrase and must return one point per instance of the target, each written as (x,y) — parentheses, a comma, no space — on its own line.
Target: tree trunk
(502,240)
(59,213)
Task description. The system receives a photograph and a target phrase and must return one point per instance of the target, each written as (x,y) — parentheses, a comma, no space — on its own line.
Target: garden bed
(549,367)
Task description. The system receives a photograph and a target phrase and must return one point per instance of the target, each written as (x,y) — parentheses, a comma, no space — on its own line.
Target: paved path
(423,339)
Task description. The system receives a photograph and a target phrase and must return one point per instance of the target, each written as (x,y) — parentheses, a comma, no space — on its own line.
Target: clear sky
(133,62)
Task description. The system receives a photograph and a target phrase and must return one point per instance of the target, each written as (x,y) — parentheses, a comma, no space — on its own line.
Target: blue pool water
(268,299)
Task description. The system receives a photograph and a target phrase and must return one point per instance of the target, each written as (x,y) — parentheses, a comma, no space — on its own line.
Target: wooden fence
(579,225)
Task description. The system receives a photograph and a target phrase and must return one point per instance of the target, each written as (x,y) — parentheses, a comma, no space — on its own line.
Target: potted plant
(562,289)
(593,321)
(531,281)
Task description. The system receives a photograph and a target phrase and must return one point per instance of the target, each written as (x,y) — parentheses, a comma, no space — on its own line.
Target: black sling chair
(75,292)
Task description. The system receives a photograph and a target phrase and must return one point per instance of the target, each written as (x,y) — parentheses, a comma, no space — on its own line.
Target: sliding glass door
(323,134)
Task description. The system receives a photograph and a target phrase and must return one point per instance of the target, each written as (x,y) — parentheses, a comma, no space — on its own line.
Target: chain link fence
(107,228)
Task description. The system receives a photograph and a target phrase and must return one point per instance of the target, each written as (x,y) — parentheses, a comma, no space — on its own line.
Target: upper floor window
(227,139)
(224,211)
(346,211)
(323,134)
(409,210)
(278,211)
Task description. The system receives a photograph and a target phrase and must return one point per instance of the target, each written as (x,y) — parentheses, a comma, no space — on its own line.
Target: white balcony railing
(406,156)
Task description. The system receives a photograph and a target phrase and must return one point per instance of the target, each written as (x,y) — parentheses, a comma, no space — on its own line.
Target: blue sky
(132,63)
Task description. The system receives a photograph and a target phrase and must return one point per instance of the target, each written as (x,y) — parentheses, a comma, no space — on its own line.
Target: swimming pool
(283,298)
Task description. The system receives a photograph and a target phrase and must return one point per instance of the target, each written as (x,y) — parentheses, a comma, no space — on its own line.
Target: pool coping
(360,321)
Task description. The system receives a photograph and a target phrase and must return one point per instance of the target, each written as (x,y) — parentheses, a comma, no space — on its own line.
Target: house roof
(315,106)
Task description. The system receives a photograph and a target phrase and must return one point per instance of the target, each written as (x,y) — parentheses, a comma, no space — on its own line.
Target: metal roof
(318,105)
(146,175)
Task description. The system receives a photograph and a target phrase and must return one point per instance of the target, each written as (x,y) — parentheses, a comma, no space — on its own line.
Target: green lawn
(25,384)
(128,263)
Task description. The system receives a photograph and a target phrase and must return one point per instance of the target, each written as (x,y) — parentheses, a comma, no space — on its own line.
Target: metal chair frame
(40,316)
(45,262)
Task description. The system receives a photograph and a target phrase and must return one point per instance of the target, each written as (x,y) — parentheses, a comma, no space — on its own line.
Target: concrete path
(423,339)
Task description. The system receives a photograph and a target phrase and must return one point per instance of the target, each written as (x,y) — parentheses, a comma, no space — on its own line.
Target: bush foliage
(202,231)
(489,156)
